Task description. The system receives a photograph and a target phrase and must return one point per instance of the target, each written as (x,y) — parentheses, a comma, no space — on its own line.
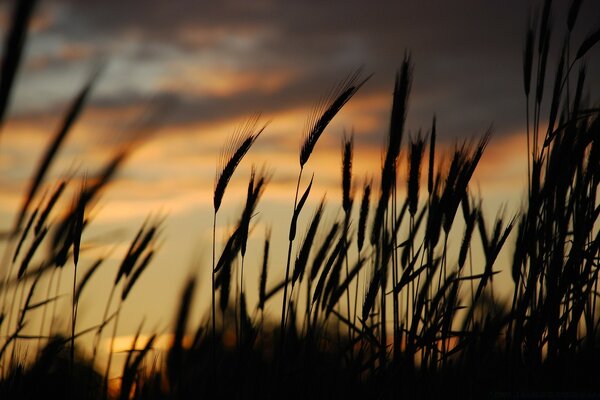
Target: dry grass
(451,335)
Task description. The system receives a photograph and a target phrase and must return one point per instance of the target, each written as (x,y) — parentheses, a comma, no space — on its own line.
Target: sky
(183,74)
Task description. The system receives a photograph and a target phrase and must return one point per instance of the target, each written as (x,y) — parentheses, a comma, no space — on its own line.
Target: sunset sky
(185,73)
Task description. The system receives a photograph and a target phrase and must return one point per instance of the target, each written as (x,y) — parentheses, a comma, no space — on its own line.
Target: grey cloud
(467,54)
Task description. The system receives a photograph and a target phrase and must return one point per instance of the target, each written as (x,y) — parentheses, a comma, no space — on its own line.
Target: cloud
(219,61)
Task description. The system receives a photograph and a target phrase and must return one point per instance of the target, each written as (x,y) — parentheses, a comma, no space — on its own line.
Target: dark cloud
(467,53)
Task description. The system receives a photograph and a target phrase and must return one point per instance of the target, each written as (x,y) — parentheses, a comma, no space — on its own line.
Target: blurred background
(179,76)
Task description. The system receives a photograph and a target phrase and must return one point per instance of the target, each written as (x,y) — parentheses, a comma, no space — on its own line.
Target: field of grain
(393,296)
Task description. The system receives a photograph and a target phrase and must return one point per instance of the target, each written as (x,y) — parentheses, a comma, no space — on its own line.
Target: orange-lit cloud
(231,80)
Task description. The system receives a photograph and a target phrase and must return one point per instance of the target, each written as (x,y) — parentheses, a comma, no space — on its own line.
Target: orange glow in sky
(199,82)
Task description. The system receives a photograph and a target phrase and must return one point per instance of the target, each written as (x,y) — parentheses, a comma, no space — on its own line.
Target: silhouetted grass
(451,335)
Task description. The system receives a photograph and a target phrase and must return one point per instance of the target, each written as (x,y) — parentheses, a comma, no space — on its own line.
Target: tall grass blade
(588,43)
(262,285)
(347,153)
(415,156)
(50,205)
(54,146)
(298,209)
(363,216)
(431,158)
(13,48)
(86,277)
(25,232)
(30,253)
(307,244)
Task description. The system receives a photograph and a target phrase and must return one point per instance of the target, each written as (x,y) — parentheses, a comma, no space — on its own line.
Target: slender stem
(412,255)
(395,302)
(287,267)
(6,260)
(241,292)
(104,317)
(110,351)
(383,353)
(307,319)
(45,309)
(19,308)
(346,223)
(214,310)
(56,292)
(471,272)
(509,331)
(382,299)
(288,308)
(242,276)
(528,149)
(443,271)
(212,273)
(236,308)
(592,333)
(356,292)
(11,307)
(73,318)
(568,73)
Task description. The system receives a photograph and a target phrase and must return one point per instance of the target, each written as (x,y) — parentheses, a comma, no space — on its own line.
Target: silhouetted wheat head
(411,311)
